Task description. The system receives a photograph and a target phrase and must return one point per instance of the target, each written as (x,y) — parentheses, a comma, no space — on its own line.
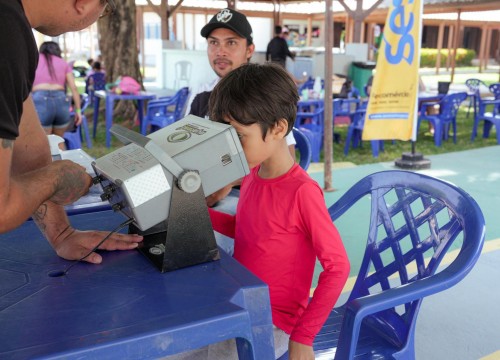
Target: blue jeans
(52,107)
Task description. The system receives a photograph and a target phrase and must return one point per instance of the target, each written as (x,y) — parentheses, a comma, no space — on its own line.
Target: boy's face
(256,149)
(227,51)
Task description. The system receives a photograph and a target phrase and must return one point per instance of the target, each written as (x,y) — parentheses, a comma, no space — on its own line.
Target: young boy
(281,225)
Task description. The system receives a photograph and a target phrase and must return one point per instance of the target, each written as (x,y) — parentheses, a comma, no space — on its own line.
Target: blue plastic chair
(74,137)
(495,90)
(355,132)
(489,118)
(345,107)
(414,221)
(474,93)
(165,111)
(304,146)
(309,84)
(448,109)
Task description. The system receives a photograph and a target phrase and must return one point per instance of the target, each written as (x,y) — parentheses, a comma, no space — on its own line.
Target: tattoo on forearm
(68,185)
(7,144)
(39,217)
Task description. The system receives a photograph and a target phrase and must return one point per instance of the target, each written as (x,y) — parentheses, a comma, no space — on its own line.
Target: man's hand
(298,351)
(72,244)
(71,182)
(218,195)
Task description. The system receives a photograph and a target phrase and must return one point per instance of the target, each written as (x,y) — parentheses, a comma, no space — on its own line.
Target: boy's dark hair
(254,93)
(277,30)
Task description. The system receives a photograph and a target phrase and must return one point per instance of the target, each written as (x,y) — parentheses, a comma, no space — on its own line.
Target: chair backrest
(182,73)
(495,90)
(450,104)
(183,70)
(85,102)
(304,147)
(415,221)
(474,85)
(182,96)
(358,119)
(309,84)
(344,107)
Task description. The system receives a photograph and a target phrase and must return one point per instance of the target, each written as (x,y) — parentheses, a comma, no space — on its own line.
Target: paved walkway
(463,322)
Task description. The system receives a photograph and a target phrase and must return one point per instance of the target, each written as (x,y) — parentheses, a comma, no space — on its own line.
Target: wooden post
(451,30)
(440,47)
(328,123)
(457,35)
(309,31)
(481,48)
(487,51)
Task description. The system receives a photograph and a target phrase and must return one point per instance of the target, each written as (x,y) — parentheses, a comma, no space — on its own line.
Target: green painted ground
(476,171)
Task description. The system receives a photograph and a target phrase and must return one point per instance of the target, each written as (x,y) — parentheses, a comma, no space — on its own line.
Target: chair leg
(348,139)
(438,134)
(85,129)
(454,126)
(96,101)
(474,127)
(486,128)
(375,147)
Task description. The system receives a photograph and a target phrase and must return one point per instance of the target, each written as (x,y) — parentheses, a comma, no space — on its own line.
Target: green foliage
(463,57)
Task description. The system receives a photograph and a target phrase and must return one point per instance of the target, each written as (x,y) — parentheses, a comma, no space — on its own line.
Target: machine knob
(189,181)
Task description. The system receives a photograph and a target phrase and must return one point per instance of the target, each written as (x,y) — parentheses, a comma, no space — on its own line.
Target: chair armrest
(358,309)
(425,105)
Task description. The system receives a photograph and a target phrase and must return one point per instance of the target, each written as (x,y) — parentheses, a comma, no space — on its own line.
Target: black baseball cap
(232,20)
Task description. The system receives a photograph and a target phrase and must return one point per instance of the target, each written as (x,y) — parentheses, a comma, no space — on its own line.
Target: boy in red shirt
(282,224)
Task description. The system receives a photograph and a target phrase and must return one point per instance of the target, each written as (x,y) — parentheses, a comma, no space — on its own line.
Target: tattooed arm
(31,184)
(25,179)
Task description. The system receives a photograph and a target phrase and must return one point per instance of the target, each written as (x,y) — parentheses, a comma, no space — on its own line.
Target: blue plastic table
(124,308)
(110,99)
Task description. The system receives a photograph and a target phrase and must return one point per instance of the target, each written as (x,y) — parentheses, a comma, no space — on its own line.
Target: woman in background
(52,76)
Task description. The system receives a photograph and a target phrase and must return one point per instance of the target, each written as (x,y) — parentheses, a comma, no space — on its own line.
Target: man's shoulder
(199,106)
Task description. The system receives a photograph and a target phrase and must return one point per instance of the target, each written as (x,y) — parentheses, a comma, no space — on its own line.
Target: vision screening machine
(161,181)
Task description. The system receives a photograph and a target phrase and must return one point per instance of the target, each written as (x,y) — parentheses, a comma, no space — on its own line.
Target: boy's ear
(280,128)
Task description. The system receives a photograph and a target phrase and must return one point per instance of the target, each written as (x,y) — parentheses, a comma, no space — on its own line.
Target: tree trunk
(119,49)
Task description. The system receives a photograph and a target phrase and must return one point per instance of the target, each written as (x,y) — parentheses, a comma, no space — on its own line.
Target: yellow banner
(392,107)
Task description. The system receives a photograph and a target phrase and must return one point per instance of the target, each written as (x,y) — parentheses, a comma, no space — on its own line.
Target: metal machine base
(411,160)
(186,238)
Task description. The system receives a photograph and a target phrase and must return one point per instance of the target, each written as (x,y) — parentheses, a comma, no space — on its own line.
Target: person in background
(52,76)
(277,49)
(30,183)
(281,225)
(96,78)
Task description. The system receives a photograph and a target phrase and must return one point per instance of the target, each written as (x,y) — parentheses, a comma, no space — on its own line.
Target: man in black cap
(230,45)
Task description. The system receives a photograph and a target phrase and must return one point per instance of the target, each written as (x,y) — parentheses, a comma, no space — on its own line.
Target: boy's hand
(218,195)
(298,351)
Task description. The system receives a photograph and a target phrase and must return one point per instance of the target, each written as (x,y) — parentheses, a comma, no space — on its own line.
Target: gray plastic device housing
(133,178)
